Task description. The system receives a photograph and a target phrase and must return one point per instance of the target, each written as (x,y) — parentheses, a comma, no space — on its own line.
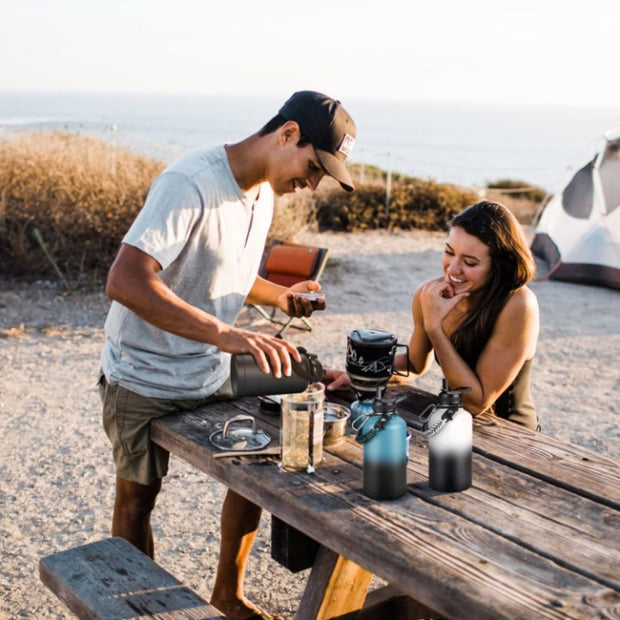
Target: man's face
(295,168)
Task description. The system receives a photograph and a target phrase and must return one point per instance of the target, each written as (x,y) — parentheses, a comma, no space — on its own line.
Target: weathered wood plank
(567,528)
(336,586)
(447,562)
(556,513)
(572,467)
(506,580)
(537,454)
(388,603)
(111,579)
(570,529)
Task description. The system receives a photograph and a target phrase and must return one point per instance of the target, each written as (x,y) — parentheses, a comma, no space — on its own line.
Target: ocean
(465,144)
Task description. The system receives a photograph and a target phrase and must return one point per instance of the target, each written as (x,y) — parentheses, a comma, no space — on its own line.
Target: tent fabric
(578,233)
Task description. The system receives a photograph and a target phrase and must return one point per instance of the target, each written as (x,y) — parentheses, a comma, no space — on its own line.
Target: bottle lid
(309,368)
(451,398)
(372,337)
(384,405)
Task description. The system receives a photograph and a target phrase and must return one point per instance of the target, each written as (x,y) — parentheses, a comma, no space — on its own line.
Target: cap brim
(336,169)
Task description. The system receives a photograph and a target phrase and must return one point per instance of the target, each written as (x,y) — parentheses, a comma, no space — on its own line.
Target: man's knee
(136,499)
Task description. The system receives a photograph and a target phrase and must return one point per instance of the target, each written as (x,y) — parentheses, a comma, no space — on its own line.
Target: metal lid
(333,412)
(246,438)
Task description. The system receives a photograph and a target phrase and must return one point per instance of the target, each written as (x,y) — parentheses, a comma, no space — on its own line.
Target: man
(185,268)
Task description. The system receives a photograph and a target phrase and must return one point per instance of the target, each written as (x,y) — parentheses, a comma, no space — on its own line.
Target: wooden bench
(111,579)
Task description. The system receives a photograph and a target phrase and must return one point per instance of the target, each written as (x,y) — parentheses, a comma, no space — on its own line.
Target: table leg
(336,586)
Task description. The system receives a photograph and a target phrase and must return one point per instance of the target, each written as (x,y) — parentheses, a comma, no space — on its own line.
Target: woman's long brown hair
(512,267)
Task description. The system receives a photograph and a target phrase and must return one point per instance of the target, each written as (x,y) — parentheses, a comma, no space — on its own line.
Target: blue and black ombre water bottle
(384,435)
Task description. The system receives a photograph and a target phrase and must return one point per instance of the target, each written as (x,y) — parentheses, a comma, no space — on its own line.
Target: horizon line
(265,97)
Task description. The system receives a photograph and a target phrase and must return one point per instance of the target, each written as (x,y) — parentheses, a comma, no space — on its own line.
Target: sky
(525,52)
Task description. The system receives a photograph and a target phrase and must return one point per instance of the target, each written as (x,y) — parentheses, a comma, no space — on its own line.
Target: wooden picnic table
(536,536)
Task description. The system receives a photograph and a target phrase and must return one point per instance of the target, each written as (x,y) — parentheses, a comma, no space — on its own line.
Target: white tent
(578,232)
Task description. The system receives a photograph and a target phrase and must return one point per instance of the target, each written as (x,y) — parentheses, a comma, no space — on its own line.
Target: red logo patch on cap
(346,146)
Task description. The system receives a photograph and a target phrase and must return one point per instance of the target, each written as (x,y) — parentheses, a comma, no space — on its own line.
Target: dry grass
(13,332)
(79,193)
(296,213)
(67,200)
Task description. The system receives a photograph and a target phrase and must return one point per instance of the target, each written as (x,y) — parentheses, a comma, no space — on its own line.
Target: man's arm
(289,300)
(133,282)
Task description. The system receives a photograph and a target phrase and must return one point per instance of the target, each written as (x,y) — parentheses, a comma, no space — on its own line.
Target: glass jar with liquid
(302,428)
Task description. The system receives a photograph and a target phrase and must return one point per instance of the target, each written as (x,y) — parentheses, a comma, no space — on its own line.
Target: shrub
(518,189)
(414,203)
(80,194)
(522,199)
(66,202)
(292,214)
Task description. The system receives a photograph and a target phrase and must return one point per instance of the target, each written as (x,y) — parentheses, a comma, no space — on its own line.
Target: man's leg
(240,520)
(132,512)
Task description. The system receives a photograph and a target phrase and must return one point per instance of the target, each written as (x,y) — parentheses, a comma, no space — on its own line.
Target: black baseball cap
(329,128)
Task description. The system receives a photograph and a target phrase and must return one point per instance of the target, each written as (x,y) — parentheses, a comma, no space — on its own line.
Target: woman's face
(466,261)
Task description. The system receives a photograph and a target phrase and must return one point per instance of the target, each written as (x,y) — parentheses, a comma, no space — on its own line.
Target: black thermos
(247,379)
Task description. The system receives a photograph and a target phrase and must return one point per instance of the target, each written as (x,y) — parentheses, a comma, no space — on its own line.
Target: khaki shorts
(126,420)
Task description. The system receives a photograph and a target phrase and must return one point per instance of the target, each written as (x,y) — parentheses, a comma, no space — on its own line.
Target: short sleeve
(164,225)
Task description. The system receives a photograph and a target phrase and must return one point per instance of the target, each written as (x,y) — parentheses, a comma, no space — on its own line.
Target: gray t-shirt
(208,238)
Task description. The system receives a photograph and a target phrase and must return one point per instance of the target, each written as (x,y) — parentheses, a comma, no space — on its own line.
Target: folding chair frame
(316,272)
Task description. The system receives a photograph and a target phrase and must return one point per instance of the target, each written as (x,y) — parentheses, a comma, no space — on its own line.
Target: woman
(479,319)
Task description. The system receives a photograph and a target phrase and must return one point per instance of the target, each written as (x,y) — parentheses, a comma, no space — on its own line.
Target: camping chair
(287,263)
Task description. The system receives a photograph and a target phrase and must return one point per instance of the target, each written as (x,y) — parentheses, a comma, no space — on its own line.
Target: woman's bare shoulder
(522,302)
(524,297)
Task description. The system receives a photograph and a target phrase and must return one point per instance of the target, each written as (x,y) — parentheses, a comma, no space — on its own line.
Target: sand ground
(56,488)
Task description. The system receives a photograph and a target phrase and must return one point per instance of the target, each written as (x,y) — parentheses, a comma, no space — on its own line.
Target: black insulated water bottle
(247,379)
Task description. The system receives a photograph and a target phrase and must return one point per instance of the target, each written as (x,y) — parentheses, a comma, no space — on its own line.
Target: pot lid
(246,438)
(333,412)
(372,337)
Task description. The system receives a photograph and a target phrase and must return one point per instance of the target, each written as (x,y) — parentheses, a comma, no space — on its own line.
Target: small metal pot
(335,423)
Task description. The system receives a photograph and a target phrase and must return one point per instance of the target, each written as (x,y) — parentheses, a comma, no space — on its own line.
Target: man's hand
(302,299)
(336,380)
(272,355)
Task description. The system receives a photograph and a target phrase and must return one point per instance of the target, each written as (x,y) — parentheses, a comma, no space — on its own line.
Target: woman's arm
(512,342)
(420,347)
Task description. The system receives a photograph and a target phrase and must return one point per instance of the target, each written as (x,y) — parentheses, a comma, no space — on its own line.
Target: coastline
(465,144)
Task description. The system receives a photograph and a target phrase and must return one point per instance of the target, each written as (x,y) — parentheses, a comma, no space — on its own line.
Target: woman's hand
(437,299)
